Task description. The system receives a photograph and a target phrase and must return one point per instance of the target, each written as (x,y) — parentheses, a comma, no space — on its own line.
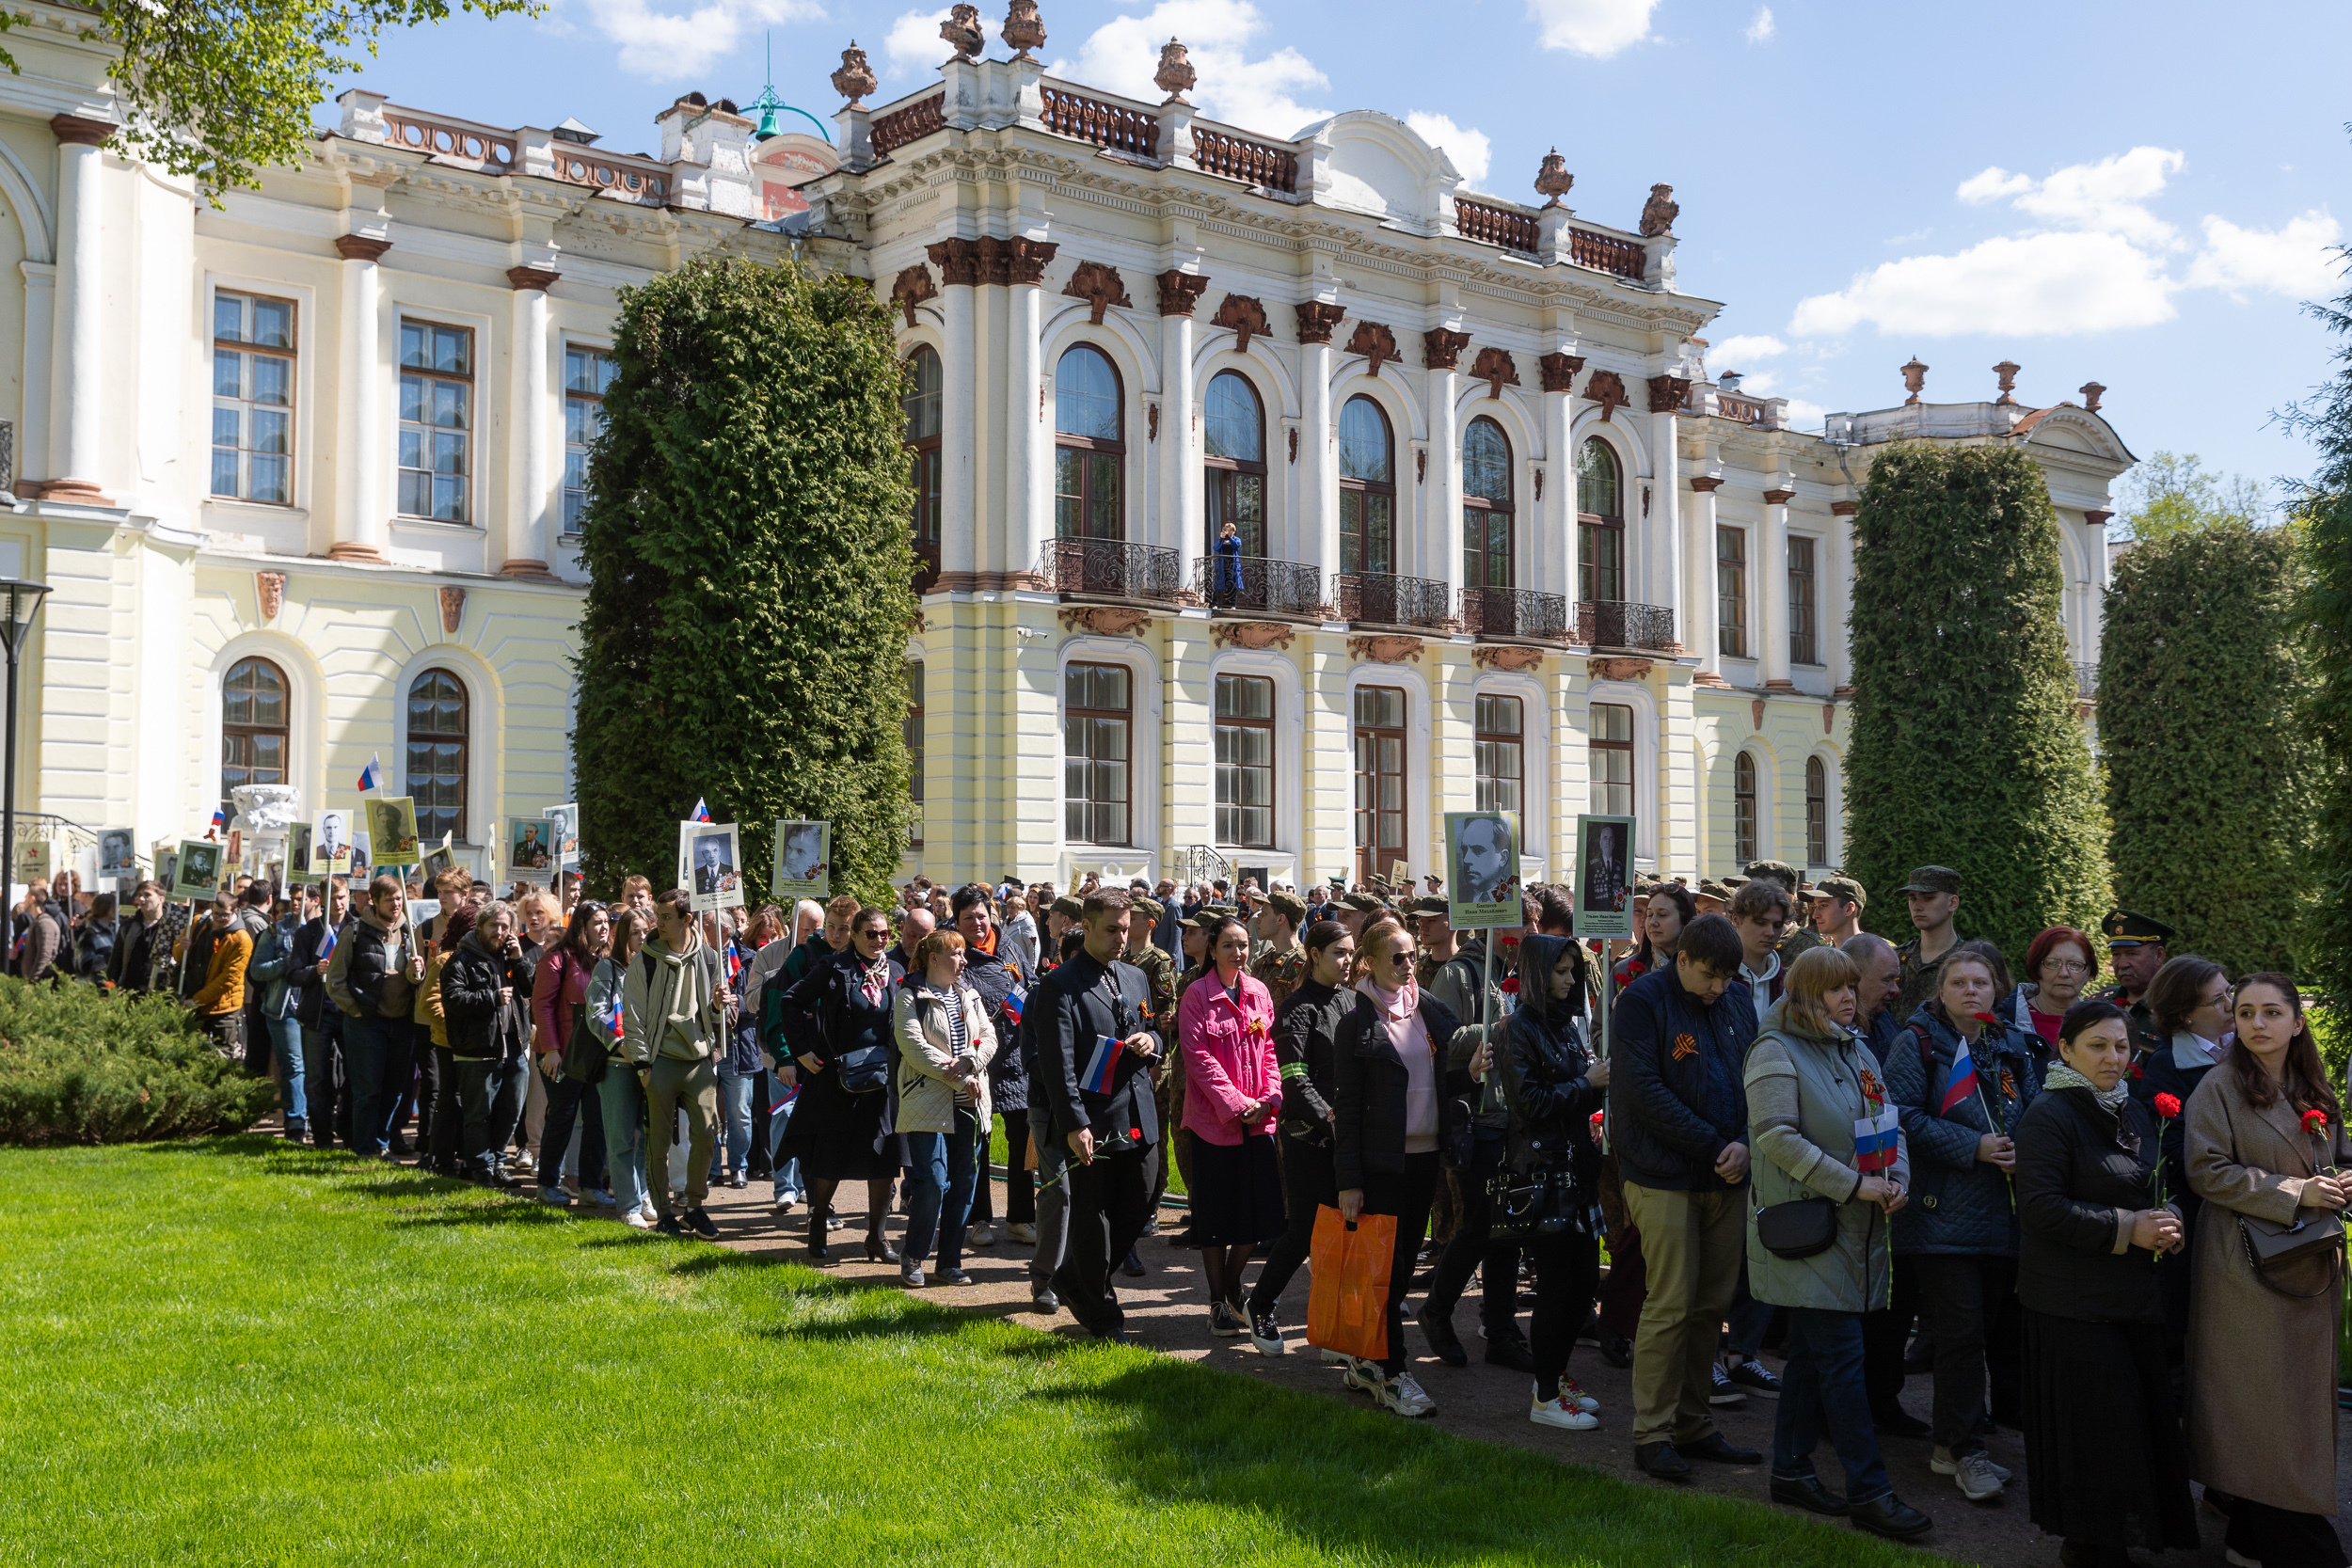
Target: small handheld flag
(1097,1077)
(617,1029)
(1874,1141)
(1015,1000)
(326,948)
(371,776)
(1963,1082)
(220,820)
(702,812)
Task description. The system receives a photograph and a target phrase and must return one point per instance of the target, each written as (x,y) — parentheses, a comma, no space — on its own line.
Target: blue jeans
(379,1054)
(779,1118)
(285,1038)
(571,1102)
(734,1150)
(623,1100)
(941,1163)
(1821,1386)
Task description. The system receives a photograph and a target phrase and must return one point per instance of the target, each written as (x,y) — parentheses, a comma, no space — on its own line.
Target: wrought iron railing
(1113,569)
(1257,582)
(1515,612)
(1620,623)
(1387,599)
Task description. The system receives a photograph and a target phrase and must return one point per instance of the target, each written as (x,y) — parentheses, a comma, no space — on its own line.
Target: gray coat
(2261,1366)
(1804,1095)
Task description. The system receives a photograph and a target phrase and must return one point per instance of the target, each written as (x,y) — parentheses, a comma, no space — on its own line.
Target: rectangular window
(1731,592)
(1803,637)
(436,421)
(587,373)
(1499,760)
(1380,779)
(1095,727)
(1244,761)
(1611,760)
(253,379)
(1600,560)
(912,730)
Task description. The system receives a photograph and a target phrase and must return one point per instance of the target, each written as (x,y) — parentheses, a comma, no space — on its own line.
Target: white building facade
(301,469)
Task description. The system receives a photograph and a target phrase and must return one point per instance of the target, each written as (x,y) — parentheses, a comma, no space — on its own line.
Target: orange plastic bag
(1347,1309)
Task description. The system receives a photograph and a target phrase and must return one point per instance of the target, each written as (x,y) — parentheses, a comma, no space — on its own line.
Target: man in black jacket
(1680,1117)
(1093,1062)
(323,1083)
(485,998)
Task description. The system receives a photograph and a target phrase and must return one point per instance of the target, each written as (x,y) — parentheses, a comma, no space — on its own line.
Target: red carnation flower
(1596,1116)
(1984,1018)
(2315,1121)
(2135,1070)
(2168,1105)
(1510,985)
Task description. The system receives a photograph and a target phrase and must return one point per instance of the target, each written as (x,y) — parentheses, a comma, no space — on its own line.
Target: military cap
(1068,908)
(1288,903)
(1840,886)
(1734,884)
(2126,929)
(1709,888)
(1933,879)
(1148,907)
(1430,905)
(1779,871)
(1364,901)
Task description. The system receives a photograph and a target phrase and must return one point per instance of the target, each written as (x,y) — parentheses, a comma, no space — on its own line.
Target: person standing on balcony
(1225,573)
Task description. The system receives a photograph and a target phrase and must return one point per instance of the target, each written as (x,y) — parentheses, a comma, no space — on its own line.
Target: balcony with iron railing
(1386,599)
(1257,584)
(1112,569)
(1621,624)
(1516,613)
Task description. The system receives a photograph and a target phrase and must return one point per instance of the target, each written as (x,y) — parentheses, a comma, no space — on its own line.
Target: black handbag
(1540,1203)
(865,1070)
(2273,1248)
(1801,1228)
(589,1052)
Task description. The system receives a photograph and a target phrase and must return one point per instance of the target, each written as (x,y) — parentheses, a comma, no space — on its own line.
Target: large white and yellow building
(300,467)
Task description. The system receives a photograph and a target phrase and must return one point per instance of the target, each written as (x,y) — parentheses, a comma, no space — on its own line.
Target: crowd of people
(2107,1219)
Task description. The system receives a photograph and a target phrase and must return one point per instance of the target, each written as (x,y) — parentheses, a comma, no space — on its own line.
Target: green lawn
(240,1352)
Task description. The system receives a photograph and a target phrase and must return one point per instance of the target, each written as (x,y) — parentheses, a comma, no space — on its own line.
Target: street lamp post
(20,601)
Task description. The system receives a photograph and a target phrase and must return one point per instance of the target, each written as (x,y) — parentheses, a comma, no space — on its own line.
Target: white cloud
(1993,185)
(913,43)
(1746,349)
(2297,261)
(1261,94)
(2048,284)
(1596,27)
(663,43)
(2107,196)
(1472,152)
(1760,30)
(1805,415)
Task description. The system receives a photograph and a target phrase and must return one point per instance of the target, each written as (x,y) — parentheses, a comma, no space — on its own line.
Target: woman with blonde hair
(946,1042)
(1829,1172)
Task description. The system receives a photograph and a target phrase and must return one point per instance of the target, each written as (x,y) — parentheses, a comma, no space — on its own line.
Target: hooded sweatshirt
(676,1012)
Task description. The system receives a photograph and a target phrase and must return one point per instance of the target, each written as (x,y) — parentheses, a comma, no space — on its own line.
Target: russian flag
(702,812)
(326,948)
(371,776)
(617,1030)
(1874,1141)
(1097,1077)
(735,964)
(1963,1080)
(220,820)
(1014,1000)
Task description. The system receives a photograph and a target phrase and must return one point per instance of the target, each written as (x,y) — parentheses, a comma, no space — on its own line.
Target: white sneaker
(1973,1474)
(646,1210)
(2229,1555)
(1944,1465)
(1363,1376)
(1571,1392)
(981,1235)
(636,1221)
(1404,1396)
(1266,1334)
(783,1205)
(1562,1412)
(1024,1234)
(521,1161)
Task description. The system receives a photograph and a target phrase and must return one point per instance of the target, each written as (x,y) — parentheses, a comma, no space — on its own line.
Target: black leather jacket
(1369,1083)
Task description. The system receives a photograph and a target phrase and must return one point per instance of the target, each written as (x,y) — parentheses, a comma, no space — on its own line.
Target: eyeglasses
(2066,966)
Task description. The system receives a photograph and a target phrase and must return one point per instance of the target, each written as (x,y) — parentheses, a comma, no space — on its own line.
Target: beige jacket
(926,1097)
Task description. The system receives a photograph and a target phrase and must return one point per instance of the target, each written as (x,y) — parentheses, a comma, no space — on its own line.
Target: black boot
(816,1253)
(1438,1331)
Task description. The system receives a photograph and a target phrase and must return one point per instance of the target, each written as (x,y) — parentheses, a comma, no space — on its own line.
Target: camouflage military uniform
(1281,973)
(1920,977)
(1800,941)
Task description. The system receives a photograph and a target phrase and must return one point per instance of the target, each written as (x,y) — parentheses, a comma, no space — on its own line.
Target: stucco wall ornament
(270,589)
(1606,387)
(1245,316)
(1618,669)
(1098,283)
(1252,634)
(1375,341)
(1489,657)
(912,287)
(1106,620)
(452,610)
(1385,649)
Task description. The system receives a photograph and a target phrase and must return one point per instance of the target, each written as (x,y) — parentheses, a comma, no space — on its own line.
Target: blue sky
(2139,195)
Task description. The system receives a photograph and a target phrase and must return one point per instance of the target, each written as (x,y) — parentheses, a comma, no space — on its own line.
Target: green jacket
(1804,1095)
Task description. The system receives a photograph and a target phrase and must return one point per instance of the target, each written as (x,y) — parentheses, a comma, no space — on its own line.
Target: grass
(236,1351)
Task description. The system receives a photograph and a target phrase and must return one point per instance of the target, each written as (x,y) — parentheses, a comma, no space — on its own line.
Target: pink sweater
(1228,1057)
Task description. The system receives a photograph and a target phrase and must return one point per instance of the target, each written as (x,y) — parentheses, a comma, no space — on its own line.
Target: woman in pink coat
(1225,1023)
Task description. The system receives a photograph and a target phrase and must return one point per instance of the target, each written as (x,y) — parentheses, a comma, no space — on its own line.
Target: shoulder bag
(866,1069)
(588,1051)
(1801,1228)
(1541,1202)
(2272,1248)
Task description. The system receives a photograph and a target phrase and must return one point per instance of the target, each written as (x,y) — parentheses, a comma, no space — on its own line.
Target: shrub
(1966,749)
(80,1066)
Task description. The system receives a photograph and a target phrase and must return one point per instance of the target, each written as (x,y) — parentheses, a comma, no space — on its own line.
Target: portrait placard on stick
(298,853)
(1604,880)
(708,850)
(117,854)
(566,820)
(392,828)
(531,850)
(198,872)
(1483,877)
(331,844)
(803,866)
(438,859)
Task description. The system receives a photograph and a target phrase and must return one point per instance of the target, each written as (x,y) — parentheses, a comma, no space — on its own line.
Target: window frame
(470,381)
(246,403)
(1098,450)
(911,731)
(1487,742)
(925,461)
(232,730)
(1221,723)
(1731,592)
(1599,745)
(1816,811)
(1600,527)
(1365,821)
(1362,490)
(1743,808)
(598,354)
(411,737)
(1478,563)
(1222,478)
(1805,601)
(1125,717)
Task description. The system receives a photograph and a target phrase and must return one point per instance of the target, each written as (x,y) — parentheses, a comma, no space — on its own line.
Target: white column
(1661,571)
(76,410)
(1028,499)
(1694,622)
(1319,486)
(1841,593)
(959,443)
(1179,504)
(529,537)
(362,530)
(1771,570)
(40,311)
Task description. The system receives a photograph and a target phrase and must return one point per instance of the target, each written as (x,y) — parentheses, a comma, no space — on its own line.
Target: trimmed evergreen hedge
(2324,516)
(81,1065)
(1966,749)
(2209,764)
(745,629)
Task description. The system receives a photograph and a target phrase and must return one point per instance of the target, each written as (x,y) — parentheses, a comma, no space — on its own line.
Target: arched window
(1743,808)
(1367,489)
(1485,505)
(252,727)
(438,723)
(920,402)
(1088,450)
(1233,452)
(1815,812)
(1599,523)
